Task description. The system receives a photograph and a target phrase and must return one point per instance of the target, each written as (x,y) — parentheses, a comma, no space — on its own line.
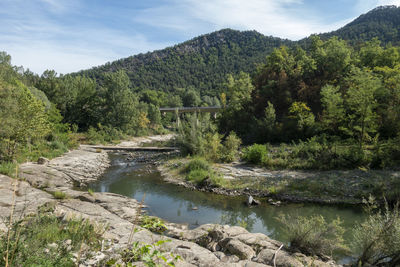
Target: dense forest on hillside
(202,63)
(382,22)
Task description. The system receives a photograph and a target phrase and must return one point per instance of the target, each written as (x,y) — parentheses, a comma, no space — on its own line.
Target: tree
(22,118)
(120,103)
(302,114)
(191,98)
(333,108)
(361,104)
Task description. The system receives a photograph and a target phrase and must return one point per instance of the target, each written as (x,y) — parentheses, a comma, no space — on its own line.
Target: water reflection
(180,205)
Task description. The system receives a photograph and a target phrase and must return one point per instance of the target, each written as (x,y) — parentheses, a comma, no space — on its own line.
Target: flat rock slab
(19,198)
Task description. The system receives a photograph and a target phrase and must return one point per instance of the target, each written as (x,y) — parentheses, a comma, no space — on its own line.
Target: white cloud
(270,17)
(39,42)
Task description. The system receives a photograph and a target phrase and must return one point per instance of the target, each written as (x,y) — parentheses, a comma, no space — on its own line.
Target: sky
(71,35)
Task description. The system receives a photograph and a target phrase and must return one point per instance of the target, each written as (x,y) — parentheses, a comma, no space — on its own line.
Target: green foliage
(361,104)
(199,171)
(153,224)
(198,176)
(201,63)
(197,164)
(22,117)
(230,149)
(192,134)
(8,168)
(380,22)
(103,134)
(378,238)
(313,235)
(149,254)
(256,154)
(30,240)
(60,195)
(333,108)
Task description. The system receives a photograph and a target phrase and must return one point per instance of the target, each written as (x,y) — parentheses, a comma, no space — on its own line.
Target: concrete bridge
(212,109)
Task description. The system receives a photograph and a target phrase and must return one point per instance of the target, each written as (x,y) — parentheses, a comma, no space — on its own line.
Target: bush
(378,238)
(198,176)
(256,154)
(103,134)
(198,171)
(230,148)
(197,164)
(313,235)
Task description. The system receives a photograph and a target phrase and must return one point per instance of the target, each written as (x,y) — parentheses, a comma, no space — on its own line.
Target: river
(180,205)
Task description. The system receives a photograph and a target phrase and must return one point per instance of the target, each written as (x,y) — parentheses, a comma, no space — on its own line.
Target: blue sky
(70,35)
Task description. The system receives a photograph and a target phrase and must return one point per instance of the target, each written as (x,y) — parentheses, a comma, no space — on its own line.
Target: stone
(258,241)
(43,161)
(235,247)
(252,202)
(283,259)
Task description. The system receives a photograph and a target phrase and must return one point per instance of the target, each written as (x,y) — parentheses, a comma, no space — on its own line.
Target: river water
(180,205)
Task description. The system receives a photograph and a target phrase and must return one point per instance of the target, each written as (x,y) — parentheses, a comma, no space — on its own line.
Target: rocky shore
(207,245)
(347,187)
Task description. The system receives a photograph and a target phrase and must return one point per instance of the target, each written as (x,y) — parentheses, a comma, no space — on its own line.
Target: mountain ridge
(204,62)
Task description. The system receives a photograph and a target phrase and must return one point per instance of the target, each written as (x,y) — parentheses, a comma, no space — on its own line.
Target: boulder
(283,259)
(235,247)
(252,202)
(43,161)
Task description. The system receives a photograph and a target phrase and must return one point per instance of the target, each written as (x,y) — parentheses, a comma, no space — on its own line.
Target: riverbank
(325,187)
(208,245)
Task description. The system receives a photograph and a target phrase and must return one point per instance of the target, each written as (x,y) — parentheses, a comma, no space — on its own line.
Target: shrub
(213,147)
(378,238)
(197,176)
(256,154)
(230,148)
(197,164)
(313,235)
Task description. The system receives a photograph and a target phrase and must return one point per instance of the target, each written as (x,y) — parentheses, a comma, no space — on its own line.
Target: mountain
(204,62)
(382,22)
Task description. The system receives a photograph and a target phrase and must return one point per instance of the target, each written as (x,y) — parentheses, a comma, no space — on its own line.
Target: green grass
(8,168)
(30,241)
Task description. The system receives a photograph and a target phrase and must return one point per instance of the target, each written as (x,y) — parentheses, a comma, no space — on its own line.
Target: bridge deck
(191,109)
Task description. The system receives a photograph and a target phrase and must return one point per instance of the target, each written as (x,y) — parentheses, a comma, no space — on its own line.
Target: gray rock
(252,202)
(235,247)
(283,259)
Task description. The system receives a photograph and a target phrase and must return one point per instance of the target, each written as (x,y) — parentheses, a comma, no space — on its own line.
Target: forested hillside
(382,22)
(203,63)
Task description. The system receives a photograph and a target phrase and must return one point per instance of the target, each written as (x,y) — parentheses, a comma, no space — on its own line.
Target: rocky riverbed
(325,187)
(207,245)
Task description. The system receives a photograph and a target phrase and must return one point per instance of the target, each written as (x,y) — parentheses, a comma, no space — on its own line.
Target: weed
(149,254)
(153,224)
(60,195)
